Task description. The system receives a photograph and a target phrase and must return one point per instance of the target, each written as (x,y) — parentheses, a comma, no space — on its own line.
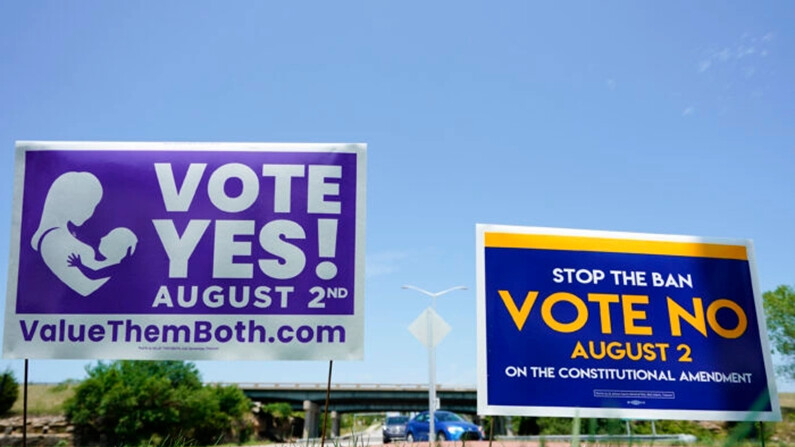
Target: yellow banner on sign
(600,244)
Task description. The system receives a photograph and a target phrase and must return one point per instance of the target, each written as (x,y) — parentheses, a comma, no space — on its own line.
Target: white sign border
(355,327)
(623,413)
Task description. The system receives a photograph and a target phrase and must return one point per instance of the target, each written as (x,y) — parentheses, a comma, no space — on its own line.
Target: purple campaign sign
(218,232)
(191,251)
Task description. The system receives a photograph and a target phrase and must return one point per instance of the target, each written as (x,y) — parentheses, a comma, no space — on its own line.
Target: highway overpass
(359,398)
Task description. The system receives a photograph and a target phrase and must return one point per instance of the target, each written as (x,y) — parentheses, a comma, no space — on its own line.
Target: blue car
(449,427)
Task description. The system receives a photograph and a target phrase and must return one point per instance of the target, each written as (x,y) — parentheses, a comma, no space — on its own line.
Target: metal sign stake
(25,408)
(325,412)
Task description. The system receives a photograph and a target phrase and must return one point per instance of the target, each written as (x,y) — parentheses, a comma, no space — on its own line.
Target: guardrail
(347,386)
(681,437)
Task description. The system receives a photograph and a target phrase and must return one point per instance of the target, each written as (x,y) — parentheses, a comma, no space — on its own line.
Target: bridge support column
(335,424)
(500,427)
(311,419)
(509,426)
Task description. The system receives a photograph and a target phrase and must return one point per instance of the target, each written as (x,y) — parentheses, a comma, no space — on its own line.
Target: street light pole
(432,358)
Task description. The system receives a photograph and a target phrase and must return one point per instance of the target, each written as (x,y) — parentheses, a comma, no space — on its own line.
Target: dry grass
(44,399)
(787,400)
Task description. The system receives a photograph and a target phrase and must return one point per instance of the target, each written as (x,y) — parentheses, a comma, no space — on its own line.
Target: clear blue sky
(674,117)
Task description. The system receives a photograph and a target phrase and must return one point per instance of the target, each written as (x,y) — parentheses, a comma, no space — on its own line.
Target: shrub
(9,391)
(131,402)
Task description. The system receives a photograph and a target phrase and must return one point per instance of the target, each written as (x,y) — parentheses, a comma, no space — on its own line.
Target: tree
(780,310)
(129,402)
(9,391)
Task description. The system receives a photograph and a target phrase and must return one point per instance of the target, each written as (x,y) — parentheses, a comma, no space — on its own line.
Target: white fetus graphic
(72,199)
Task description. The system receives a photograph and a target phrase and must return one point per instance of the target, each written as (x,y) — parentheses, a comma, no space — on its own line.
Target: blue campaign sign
(604,324)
